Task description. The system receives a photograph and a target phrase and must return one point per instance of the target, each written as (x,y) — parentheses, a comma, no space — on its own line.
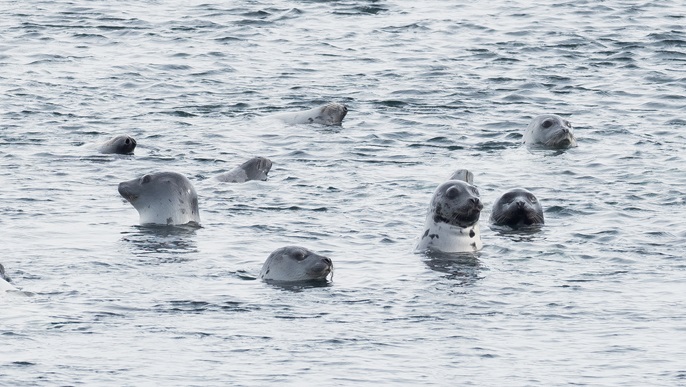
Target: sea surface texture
(596,297)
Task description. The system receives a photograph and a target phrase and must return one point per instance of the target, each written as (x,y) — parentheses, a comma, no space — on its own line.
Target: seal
(123,145)
(517,208)
(5,280)
(452,221)
(329,114)
(549,131)
(166,198)
(294,263)
(254,169)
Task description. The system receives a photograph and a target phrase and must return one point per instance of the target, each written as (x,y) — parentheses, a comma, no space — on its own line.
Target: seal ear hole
(547,123)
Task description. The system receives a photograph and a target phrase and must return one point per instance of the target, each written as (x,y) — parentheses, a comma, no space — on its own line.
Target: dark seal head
(123,145)
(164,198)
(549,131)
(517,208)
(294,263)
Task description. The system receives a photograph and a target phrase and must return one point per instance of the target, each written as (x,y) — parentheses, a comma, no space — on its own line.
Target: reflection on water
(167,241)
(463,268)
(299,286)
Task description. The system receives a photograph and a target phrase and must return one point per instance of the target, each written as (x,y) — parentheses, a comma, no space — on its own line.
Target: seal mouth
(322,270)
(126,194)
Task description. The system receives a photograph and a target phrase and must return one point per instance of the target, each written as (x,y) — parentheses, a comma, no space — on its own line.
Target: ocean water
(596,297)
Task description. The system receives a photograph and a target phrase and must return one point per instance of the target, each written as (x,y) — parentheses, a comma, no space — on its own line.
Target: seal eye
(532,199)
(547,123)
(299,256)
(146,179)
(452,192)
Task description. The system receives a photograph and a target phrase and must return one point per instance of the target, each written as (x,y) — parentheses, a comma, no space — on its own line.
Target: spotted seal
(452,221)
(294,263)
(254,169)
(517,208)
(549,131)
(166,198)
(329,114)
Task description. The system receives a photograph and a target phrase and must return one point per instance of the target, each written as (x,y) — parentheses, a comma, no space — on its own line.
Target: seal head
(123,145)
(549,131)
(517,208)
(294,263)
(253,169)
(165,198)
(330,114)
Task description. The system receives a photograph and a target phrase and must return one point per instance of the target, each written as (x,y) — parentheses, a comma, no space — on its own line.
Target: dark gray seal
(294,263)
(549,131)
(517,208)
(254,169)
(123,145)
(452,221)
(166,198)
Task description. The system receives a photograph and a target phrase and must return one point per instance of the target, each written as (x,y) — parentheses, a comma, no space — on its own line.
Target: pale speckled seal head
(294,263)
(517,208)
(165,198)
(549,131)
(254,169)
(123,145)
(329,114)
(452,219)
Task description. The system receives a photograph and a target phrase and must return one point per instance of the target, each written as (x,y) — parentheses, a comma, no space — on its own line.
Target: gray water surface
(596,297)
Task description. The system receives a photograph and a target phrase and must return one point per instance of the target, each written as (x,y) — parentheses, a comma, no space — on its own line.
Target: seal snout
(476,203)
(125,191)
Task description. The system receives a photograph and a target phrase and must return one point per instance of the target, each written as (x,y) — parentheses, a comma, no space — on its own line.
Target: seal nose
(476,203)
(327,261)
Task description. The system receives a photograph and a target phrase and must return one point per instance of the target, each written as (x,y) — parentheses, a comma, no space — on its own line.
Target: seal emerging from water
(5,280)
(294,263)
(517,208)
(549,131)
(452,222)
(123,145)
(166,198)
(253,169)
(330,114)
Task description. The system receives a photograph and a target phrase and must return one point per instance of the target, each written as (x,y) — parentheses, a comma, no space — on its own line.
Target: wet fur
(517,208)
(256,168)
(165,198)
(294,263)
(123,145)
(451,224)
(549,131)
(330,114)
